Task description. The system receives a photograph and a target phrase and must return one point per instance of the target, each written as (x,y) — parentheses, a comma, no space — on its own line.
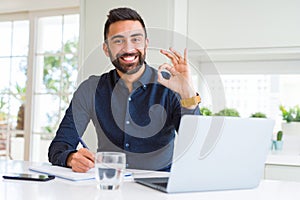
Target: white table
(62,189)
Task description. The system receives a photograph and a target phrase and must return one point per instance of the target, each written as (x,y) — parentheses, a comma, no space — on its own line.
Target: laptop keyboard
(161,184)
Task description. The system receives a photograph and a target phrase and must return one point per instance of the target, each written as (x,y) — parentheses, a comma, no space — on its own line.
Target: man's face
(126,45)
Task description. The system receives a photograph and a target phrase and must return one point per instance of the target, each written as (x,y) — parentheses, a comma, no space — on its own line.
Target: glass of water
(109,169)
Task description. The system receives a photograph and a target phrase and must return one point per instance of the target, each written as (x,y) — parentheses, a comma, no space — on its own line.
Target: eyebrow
(136,34)
(116,36)
(122,36)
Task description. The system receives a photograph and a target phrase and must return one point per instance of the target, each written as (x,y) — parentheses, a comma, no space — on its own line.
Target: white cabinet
(283,167)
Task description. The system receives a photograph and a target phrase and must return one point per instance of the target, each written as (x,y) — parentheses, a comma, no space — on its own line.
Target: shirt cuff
(64,156)
(185,111)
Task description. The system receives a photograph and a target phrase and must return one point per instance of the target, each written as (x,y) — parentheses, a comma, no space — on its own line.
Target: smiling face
(126,46)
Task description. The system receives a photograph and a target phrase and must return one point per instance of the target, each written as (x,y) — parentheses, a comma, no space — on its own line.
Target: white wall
(244,24)
(259,36)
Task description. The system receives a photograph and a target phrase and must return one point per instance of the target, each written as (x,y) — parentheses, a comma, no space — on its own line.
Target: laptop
(216,153)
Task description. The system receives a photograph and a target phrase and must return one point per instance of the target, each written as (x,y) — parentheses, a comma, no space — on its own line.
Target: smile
(128,58)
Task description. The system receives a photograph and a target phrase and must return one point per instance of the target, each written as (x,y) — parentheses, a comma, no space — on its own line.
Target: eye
(136,39)
(118,41)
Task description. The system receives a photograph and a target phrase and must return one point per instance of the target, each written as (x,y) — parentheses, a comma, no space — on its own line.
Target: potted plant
(291,119)
(258,115)
(206,111)
(278,143)
(228,112)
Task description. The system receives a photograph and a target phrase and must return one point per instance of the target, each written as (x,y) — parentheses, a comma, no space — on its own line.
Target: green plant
(291,114)
(279,135)
(258,115)
(65,67)
(228,112)
(206,111)
(20,93)
(2,103)
(54,64)
(3,115)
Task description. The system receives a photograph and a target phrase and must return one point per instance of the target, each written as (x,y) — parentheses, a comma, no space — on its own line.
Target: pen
(127,174)
(83,143)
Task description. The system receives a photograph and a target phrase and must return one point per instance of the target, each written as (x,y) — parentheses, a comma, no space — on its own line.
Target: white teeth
(129,58)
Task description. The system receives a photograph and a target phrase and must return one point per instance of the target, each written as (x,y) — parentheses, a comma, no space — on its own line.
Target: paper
(67,173)
(63,172)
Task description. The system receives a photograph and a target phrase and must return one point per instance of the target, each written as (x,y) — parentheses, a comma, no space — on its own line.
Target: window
(259,84)
(40,82)
(56,72)
(14,43)
(261,93)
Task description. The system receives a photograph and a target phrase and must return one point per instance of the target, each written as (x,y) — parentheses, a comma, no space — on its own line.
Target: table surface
(85,190)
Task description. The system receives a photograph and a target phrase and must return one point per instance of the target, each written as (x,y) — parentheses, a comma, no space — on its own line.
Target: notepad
(67,173)
(63,172)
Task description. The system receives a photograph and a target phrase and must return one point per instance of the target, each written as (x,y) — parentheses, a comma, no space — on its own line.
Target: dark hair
(121,14)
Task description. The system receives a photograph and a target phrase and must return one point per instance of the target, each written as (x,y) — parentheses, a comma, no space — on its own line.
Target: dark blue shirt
(142,123)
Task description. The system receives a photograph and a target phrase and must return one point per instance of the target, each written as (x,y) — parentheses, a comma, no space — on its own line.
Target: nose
(128,46)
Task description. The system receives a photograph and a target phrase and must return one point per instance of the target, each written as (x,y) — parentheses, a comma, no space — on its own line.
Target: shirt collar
(148,77)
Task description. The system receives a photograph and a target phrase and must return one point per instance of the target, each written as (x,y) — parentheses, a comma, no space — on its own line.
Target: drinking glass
(109,169)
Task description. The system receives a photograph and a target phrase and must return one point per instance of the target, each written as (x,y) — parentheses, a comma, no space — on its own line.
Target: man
(134,108)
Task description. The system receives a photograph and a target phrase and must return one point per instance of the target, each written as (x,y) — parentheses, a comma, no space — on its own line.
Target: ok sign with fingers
(180,79)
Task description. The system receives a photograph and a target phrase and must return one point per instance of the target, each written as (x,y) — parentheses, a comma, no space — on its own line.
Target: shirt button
(144,86)
(126,145)
(127,122)
(129,99)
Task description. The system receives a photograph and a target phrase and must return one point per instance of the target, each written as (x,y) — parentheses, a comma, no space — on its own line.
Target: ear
(105,49)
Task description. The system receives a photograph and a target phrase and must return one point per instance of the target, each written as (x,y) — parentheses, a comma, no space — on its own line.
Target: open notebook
(68,174)
(63,172)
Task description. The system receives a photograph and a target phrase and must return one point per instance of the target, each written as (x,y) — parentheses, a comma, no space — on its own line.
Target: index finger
(171,56)
(179,55)
(87,153)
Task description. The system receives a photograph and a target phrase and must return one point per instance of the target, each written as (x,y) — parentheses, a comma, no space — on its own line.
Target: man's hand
(81,161)
(180,79)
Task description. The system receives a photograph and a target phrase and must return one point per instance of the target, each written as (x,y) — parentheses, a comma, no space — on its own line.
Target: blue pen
(83,143)
(127,174)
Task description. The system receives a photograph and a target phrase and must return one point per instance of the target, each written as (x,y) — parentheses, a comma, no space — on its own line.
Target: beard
(130,68)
